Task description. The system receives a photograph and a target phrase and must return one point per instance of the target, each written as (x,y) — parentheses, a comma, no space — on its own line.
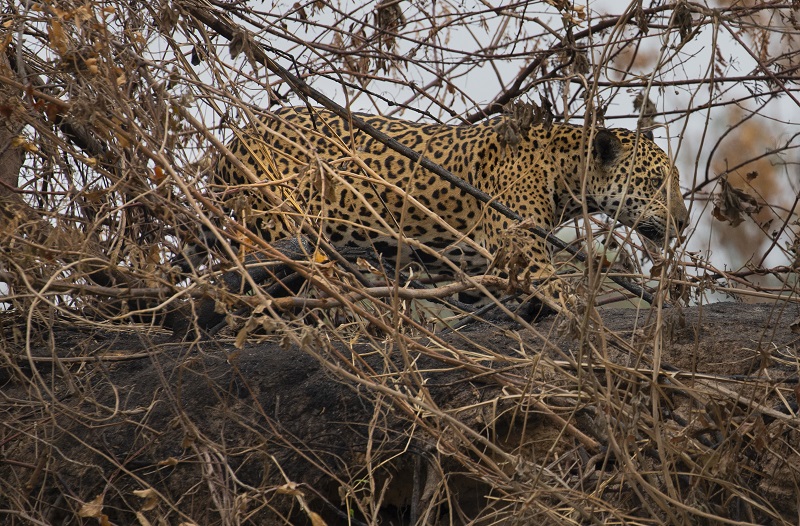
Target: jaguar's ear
(606,146)
(648,135)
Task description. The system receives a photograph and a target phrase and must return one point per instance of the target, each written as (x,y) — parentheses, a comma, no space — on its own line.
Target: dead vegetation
(357,396)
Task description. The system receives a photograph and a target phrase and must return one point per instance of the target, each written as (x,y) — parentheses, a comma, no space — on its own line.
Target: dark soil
(272,434)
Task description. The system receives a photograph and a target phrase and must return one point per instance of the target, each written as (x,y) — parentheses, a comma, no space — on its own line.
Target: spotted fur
(360,193)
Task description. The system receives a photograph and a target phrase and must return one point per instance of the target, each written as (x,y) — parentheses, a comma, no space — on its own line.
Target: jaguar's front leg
(523,257)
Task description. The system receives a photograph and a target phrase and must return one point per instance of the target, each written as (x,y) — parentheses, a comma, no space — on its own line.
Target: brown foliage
(111,116)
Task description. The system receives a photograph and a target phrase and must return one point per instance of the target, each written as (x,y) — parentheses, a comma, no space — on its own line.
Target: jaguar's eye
(658,177)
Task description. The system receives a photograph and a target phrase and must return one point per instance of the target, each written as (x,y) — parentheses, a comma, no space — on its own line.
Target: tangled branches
(112,119)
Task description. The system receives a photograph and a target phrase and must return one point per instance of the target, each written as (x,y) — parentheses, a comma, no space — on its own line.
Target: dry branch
(346,392)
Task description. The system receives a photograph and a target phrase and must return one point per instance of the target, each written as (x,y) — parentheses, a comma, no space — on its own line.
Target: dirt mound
(495,423)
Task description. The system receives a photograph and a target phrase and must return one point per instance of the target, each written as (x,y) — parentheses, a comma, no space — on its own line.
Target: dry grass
(111,120)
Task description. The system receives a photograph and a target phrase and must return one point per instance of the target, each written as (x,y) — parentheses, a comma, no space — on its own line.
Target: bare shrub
(113,115)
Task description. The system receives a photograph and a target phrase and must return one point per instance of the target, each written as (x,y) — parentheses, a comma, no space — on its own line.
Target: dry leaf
(58,40)
(732,204)
(93,508)
(171,462)
(150,497)
(301,12)
(683,19)
(316,520)
(52,111)
(187,441)
(518,119)
(647,109)
(158,175)
(656,270)
(6,41)
(236,44)
(91,65)
(366,266)
(21,142)
(241,337)
(290,488)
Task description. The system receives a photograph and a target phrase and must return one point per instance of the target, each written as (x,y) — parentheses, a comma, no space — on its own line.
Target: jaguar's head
(634,181)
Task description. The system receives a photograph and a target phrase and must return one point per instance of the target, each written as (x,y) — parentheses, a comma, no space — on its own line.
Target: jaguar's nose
(679,215)
(680,224)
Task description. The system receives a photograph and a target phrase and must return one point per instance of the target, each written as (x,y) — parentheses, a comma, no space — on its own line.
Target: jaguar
(359,193)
